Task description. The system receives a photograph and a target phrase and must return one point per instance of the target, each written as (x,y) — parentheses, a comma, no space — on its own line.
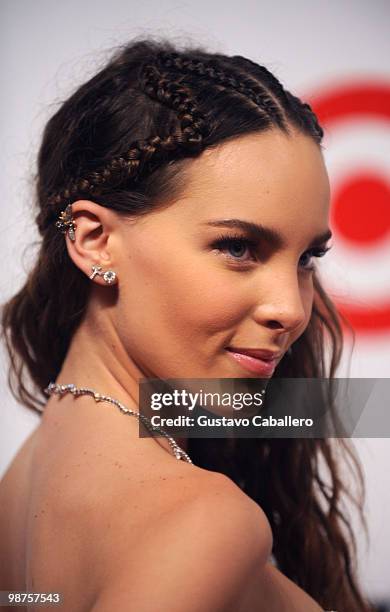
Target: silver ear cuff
(66,222)
(109,276)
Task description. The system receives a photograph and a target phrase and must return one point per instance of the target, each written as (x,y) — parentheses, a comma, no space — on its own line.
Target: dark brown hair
(123,139)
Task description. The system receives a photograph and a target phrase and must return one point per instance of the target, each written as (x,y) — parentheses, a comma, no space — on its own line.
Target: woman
(193,197)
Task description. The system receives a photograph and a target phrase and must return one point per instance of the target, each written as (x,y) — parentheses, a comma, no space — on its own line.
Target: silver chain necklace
(98,397)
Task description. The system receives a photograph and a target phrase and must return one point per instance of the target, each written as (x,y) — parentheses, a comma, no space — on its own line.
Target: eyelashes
(238,242)
(224,242)
(316,252)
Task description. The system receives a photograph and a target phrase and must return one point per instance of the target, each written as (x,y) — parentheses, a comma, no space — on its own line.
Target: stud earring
(96,271)
(109,276)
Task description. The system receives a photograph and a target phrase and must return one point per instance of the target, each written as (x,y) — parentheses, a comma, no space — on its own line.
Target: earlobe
(109,276)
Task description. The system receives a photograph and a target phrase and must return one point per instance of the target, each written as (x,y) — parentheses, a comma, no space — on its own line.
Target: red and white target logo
(356,119)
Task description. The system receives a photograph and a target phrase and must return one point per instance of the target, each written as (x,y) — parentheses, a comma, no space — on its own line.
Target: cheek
(208,300)
(186,295)
(307,296)
(307,300)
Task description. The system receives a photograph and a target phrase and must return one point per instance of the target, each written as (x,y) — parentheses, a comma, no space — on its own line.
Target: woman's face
(185,296)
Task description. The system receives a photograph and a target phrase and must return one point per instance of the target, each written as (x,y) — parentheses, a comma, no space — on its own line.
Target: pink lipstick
(262,367)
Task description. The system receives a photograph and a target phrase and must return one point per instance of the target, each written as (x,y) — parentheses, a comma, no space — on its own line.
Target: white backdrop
(317,49)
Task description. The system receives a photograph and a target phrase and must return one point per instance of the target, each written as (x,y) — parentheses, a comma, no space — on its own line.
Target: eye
(315,252)
(237,246)
(241,250)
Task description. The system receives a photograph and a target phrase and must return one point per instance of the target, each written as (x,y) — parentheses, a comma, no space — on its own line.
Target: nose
(284,301)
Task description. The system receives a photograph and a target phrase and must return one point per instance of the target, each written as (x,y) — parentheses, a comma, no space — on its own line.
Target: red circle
(357,100)
(353,100)
(361,209)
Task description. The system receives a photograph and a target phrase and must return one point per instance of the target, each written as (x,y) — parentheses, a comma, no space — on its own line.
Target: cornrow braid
(292,104)
(244,85)
(314,124)
(176,96)
(131,164)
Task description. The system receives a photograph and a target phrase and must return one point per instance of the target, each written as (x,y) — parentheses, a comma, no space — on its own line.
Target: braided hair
(177,82)
(124,139)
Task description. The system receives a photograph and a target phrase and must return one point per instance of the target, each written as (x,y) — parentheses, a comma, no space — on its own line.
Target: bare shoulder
(215,535)
(224,509)
(204,504)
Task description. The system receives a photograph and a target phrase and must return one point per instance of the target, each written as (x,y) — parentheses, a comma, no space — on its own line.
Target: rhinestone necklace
(98,397)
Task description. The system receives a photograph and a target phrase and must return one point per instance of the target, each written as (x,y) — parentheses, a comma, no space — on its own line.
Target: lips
(265,354)
(259,361)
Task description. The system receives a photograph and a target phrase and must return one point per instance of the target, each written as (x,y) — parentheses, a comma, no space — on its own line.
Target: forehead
(269,178)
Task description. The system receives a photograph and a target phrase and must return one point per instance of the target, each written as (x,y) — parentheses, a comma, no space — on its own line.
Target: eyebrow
(262,233)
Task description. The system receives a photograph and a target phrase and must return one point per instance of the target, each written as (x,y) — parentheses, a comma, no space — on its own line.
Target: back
(81,512)
(15,498)
(75,501)
(42,548)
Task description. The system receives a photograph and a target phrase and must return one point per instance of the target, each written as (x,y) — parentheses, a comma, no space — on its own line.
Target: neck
(100,362)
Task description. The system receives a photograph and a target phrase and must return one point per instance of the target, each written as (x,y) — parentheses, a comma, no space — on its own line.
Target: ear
(95,226)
